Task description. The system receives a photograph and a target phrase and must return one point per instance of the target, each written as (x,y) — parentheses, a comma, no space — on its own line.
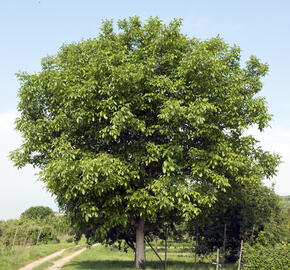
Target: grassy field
(11,259)
(179,256)
(101,257)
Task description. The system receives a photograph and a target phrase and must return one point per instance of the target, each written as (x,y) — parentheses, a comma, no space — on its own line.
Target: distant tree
(37,212)
(285,201)
(143,122)
(252,213)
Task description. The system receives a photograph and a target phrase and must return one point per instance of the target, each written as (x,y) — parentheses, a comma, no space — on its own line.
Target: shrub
(266,257)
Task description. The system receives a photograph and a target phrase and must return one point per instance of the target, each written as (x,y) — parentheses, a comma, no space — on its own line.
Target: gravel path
(61,262)
(42,260)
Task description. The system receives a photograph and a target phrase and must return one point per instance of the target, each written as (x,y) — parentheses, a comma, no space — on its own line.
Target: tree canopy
(141,122)
(37,212)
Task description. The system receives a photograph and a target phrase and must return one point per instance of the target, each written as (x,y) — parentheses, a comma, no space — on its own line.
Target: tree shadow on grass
(115,264)
(101,264)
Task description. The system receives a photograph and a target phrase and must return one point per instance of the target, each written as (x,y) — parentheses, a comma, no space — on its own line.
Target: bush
(266,257)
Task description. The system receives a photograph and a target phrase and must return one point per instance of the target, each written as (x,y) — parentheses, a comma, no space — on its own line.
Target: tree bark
(140,245)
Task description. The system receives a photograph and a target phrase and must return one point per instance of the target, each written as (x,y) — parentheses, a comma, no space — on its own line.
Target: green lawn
(101,257)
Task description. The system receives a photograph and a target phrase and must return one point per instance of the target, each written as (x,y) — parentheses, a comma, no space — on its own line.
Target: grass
(175,250)
(180,257)
(11,259)
(100,257)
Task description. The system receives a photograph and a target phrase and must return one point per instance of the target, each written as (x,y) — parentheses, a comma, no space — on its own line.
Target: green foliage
(37,212)
(251,213)
(142,122)
(32,231)
(266,258)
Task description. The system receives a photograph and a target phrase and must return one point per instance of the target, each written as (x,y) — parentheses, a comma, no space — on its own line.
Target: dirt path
(61,262)
(42,260)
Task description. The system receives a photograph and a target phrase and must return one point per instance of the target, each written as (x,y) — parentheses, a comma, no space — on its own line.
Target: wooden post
(224,245)
(253,230)
(217,258)
(14,238)
(26,236)
(240,257)
(165,259)
(38,236)
(196,243)
(156,253)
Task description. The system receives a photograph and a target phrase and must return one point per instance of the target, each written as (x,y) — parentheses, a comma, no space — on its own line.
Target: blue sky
(32,29)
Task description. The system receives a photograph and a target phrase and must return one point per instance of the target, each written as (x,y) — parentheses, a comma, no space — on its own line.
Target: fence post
(14,238)
(156,243)
(165,259)
(224,245)
(253,230)
(217,258)
(25,239)
(52,233)
(240,257)
(38,236)
(196,243)
(156,253)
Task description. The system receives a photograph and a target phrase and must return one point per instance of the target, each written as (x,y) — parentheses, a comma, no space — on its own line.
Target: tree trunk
(140,246)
